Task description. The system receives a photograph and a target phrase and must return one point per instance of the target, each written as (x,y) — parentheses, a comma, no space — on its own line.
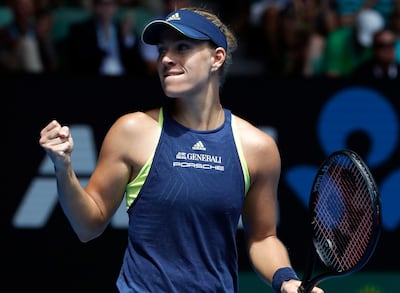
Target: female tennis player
(187,171)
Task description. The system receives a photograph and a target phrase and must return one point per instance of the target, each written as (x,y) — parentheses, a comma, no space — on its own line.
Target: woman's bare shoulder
(137,121)
(139,116)
(251,134)
(133,128)
(260,148)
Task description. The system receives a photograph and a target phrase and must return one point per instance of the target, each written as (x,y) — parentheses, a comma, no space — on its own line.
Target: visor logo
(174,16)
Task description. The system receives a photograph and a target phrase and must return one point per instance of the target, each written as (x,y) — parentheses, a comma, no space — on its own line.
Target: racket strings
(343,216)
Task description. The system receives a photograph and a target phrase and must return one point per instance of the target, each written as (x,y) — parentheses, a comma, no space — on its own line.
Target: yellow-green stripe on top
(241,156)
(133,188)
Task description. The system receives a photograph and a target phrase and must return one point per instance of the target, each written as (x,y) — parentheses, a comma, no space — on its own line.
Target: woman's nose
(167,58)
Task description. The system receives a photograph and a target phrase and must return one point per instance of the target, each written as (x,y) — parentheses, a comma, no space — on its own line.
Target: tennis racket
(345,218)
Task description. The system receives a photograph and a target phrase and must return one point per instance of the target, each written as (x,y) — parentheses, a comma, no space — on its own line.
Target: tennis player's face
(184,65)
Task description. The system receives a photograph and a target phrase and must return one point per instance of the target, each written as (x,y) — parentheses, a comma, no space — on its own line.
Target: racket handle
(304,289)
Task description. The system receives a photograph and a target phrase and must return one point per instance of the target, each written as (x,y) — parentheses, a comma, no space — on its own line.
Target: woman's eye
(179,47)
(183,47)
(161,50)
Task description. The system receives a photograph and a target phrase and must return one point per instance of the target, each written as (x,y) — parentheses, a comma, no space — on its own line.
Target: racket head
(345,213)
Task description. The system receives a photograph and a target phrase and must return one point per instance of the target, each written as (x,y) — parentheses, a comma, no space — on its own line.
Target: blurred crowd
(277,38)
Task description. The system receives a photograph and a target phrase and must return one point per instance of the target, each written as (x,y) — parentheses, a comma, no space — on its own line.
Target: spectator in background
(348,10)
(303,31)
(348,46)
(323,23)
(293,34)
(394,25)
(104,45)
(383,64)
(265,20)
(25,43)
(47,48)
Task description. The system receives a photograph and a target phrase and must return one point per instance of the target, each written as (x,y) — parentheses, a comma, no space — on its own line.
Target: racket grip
(304,288)
(301,289)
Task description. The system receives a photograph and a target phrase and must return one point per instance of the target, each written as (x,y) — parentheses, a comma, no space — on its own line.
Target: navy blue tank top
(183,222)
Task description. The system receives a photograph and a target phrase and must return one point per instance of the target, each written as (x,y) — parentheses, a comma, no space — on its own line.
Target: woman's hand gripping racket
(345,218)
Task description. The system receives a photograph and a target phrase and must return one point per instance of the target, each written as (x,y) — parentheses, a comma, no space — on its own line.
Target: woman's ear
(219,58)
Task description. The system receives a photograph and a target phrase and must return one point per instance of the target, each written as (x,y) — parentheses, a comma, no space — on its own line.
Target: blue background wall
(308,118)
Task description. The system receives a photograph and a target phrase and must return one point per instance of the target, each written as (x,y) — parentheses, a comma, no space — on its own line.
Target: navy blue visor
(188,23)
